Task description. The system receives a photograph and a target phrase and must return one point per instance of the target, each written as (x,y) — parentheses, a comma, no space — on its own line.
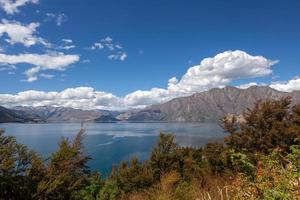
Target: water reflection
(109,144)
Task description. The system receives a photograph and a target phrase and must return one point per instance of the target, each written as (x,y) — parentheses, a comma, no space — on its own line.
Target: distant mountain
(63,114)
(209,105)
(8,115)
(205,106)
(106,118)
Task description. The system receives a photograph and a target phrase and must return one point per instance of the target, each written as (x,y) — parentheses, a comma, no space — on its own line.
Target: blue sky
(158,40)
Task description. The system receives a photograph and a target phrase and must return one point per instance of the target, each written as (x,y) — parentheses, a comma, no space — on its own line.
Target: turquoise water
(110,143)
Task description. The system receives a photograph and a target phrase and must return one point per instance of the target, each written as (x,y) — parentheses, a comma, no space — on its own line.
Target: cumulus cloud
(21,33)
(220,70)
(12,6)
(141,98)
(287,86)
(41,62)
(59,18)
(216,71)
(80,97)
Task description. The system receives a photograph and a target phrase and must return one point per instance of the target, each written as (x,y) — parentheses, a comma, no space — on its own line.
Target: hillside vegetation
(259,159)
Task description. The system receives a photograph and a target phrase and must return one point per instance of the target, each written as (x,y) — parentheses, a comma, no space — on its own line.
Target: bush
(272,124)
(109,191)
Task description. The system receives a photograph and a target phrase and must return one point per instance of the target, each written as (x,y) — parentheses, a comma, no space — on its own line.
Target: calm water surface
(110,143)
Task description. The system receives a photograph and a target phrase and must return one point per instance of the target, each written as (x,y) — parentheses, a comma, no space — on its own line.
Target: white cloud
(46,76)
(143,98)
(96,45)
(118,46)
(66,44)
(12,6)
(216,71)
(118,56)
(220,70)
(107,40)
(115,49)
(247,85)
(41,62)
(59,18)
(67,40)
(110,46)
(123,56)
(172,81)
(67,47)
(287,86)
(20,33)
(7,67)
(81,97)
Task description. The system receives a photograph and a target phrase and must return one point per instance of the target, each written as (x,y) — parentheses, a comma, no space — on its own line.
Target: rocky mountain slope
(209,105)
(9,115)
(62,114)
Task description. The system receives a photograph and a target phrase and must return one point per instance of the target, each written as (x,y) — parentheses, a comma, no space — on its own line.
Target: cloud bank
(217,71)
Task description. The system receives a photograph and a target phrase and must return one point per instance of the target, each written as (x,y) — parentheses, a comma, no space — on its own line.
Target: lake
(110,143)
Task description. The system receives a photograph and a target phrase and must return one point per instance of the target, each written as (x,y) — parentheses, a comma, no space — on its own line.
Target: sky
(121,54)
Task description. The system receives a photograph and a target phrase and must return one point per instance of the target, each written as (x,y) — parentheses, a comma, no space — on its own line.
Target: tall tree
(268,125)
(67,171)
(163,157)
(20,169)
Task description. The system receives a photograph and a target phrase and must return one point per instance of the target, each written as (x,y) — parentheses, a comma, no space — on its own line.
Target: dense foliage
(259,159)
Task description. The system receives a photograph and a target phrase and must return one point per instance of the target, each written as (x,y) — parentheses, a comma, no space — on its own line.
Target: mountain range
(210,105)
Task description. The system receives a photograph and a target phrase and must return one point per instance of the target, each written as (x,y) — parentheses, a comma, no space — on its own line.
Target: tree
(67,171)
(268,125)
(216,156)
(20,169)
(163,157)
(92,189)
(109,191)
(132,176)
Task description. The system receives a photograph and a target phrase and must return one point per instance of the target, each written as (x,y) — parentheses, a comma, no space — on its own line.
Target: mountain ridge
(65,114)
(209,105)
